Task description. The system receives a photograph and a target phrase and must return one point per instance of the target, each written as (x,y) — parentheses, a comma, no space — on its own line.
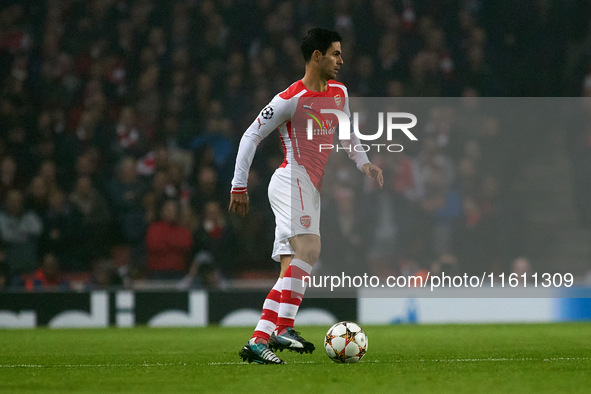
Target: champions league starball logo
(344,129)
(267,112)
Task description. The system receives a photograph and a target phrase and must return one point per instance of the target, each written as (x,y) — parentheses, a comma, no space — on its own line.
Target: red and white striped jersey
(288,112)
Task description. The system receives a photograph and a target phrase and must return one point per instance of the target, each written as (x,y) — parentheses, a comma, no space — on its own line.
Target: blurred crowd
(120,120)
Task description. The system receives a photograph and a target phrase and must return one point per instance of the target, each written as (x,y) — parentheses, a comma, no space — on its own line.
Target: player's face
(331,62)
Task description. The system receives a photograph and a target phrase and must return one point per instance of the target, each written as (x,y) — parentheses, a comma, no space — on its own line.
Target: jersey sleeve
(276,113)
(360,158)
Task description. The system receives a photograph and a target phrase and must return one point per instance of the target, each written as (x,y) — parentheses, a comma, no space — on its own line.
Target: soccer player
(294,187)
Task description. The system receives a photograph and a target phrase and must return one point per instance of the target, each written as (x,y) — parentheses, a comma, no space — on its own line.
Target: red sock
(268,320)
(292,293)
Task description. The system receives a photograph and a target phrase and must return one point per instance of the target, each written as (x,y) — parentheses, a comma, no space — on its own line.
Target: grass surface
(540,358)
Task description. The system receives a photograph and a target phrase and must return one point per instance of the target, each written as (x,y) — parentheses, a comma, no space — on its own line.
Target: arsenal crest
(306,220)
(338,101)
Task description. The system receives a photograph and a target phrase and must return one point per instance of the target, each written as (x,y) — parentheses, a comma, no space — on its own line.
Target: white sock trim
(271,305)
(265,326)
(278,285)
(302,265)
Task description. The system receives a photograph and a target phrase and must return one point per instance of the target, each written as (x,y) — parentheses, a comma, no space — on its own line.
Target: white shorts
(296,205)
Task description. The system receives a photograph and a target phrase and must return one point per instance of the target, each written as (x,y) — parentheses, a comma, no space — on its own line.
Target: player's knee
(307,248)
(311,252)
(311,256)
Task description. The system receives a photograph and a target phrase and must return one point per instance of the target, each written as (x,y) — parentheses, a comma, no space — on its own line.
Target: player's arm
(360,158)
(271,117)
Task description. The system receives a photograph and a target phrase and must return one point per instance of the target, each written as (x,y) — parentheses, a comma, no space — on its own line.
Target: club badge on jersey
(338,101)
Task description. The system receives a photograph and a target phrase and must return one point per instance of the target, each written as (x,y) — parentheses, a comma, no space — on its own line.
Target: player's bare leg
(285,262)
(307,251)
(306,247)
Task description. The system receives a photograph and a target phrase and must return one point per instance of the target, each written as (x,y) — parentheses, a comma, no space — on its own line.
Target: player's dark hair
(318,39)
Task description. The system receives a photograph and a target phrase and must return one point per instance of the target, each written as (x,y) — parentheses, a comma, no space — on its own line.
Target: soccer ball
(345,342)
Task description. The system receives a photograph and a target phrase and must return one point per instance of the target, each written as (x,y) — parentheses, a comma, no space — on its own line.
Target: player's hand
(238,203)
(373,171)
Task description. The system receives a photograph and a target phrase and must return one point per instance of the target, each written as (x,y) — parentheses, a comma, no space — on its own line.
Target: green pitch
(540,358)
